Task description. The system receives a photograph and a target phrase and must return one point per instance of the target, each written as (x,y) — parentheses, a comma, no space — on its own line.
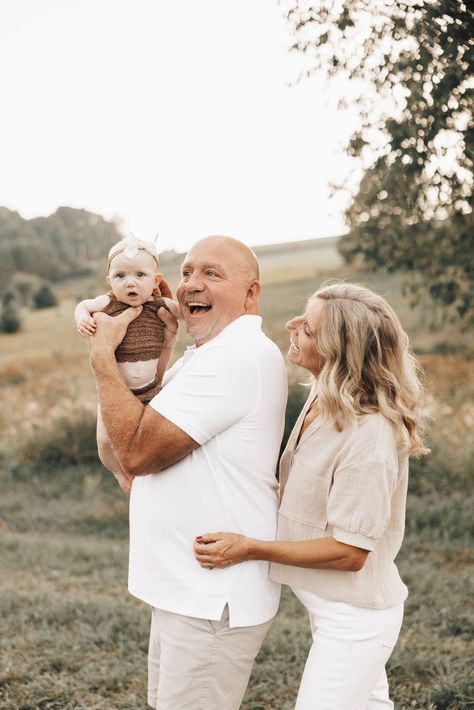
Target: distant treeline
(64,244)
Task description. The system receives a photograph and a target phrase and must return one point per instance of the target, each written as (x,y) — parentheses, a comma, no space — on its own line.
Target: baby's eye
(140,274)
(119,275)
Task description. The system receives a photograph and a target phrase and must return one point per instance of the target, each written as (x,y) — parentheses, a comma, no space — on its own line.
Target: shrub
(10,321)
(66,441)
(8,297)
(44,297)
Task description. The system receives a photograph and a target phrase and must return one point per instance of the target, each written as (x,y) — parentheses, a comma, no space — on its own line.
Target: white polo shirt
(229,395)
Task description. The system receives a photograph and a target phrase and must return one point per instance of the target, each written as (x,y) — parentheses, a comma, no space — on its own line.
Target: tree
(63,244)
(410,66)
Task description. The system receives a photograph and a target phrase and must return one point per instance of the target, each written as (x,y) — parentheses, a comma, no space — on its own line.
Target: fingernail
(198,537)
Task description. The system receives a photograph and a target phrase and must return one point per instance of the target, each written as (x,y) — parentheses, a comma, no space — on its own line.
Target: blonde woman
(343,483)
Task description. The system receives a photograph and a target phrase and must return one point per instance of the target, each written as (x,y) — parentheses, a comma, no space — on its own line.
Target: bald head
(219,283)
(243,257)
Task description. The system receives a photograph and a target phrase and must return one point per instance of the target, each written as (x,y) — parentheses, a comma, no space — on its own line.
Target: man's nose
(194,282)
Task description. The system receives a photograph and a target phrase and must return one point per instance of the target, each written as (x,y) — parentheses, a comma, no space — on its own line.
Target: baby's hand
(86,326)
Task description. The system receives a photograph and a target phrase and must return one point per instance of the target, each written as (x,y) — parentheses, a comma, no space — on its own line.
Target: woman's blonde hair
(368,364)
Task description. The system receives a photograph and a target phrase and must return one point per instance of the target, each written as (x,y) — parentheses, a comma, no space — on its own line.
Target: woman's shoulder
(374,422)
(374,437)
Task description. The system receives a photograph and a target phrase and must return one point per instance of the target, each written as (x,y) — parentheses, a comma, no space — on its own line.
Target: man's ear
(251,299)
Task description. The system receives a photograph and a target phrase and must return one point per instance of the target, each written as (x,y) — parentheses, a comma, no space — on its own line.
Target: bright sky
(176,117)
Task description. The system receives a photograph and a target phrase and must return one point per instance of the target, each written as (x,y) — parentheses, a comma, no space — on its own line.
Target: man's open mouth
(198,308)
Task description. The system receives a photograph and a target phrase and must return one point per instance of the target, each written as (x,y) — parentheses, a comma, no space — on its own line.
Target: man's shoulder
(254,345)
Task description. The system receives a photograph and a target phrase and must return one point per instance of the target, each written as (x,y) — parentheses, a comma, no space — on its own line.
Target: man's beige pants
(196,664)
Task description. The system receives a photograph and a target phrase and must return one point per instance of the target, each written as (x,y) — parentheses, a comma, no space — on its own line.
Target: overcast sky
(176,117)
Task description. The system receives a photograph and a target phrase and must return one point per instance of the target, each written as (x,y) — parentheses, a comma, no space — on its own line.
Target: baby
(134,278)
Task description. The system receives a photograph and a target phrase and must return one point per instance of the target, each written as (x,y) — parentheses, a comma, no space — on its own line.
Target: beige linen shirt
(350,485)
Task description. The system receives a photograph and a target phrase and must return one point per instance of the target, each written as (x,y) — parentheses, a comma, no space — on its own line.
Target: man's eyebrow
(209,265)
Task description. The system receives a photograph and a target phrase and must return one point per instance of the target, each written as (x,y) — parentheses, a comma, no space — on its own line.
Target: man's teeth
(196,307)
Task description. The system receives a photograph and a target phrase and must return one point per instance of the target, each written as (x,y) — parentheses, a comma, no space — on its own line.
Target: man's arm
(145,441)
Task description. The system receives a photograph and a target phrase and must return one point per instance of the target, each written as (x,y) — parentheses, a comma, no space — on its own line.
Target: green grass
(71,637)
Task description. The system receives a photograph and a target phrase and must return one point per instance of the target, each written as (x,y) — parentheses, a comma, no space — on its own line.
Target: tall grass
(71,637)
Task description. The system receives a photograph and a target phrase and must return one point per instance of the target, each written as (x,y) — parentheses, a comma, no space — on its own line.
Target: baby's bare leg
(108,456)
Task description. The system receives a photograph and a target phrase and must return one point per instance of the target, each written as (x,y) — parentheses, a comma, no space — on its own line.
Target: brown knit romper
(143,340)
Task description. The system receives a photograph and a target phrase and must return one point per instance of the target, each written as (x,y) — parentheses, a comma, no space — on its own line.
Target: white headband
(131,247)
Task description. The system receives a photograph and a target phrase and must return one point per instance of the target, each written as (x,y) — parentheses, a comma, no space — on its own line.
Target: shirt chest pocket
(305,499)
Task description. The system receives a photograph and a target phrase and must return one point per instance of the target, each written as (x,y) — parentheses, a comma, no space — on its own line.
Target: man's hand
(110,331)
(163,289)
(171,327)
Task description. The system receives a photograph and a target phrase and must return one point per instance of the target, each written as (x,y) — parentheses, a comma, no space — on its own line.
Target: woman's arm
(225,549)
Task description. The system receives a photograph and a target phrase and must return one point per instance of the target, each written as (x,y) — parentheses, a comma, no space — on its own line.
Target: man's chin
(199,332)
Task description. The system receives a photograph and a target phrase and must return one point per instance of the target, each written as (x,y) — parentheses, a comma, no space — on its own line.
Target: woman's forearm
(224,549)
(324,553)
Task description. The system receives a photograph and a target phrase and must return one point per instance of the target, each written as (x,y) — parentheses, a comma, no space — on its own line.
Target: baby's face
(132,280)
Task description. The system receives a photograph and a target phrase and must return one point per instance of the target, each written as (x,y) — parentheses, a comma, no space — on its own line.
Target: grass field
(71,636)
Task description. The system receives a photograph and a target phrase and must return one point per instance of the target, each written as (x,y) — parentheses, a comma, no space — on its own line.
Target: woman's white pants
(345,668)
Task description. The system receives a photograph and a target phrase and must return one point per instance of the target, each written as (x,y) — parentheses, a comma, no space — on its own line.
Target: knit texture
(145,335)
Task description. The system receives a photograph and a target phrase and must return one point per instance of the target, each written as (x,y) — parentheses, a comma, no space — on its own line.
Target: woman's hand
(221,549)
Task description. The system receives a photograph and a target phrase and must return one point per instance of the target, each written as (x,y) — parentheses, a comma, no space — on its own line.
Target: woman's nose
(290,324)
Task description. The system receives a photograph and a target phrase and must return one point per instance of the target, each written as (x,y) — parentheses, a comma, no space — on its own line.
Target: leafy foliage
(410,67)
(54,247)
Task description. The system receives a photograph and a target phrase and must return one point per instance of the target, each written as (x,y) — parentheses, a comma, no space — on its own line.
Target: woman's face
(302,350)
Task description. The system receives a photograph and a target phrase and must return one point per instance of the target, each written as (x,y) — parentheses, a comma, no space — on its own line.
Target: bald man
(203,456)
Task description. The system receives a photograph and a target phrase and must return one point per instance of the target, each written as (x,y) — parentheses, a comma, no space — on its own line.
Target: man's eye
(209,272)
(185,275)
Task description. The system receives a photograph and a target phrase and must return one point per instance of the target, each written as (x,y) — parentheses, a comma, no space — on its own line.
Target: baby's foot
(124,481)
